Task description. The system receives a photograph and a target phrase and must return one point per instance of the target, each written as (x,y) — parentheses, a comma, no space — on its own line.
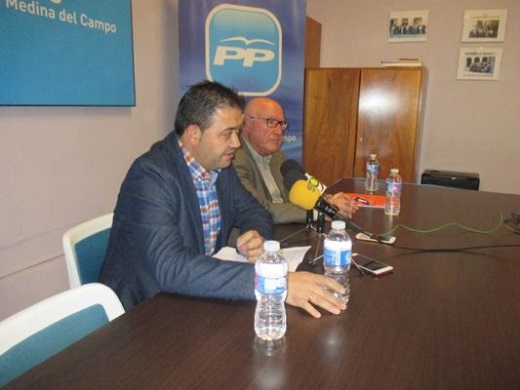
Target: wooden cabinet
(312,43)
(350,113)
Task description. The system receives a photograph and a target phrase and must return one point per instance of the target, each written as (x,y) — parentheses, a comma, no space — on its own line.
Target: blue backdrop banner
(255,46)
(66,52)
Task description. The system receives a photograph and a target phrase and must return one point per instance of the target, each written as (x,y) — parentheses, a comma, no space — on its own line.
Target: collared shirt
(265,171)
(207,197)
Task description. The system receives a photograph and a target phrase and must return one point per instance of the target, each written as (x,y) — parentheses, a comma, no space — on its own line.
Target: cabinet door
(329,130)
(389,119)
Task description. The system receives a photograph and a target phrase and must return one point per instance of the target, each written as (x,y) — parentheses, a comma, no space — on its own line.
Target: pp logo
(244,49)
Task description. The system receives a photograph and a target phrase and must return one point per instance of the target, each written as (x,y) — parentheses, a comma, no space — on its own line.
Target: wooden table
(442,320)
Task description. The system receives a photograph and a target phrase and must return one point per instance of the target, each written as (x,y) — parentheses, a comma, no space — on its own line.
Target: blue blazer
(157,241)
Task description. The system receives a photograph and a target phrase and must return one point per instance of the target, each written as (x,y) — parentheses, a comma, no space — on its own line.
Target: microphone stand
(320,223)
(309,222)
(320,228)
(309,228)
(318,232)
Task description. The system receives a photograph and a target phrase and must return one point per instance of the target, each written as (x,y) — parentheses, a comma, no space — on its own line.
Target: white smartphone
(384,239)
(370,265)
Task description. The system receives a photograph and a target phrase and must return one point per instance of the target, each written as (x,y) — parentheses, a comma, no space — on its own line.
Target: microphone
(316,183)
(290,165)
(308,197)
(291,177)
(293,165)
(305,193)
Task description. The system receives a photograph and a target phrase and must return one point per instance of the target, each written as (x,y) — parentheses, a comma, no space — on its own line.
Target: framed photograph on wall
(481,63)
(484,25)
(408,26)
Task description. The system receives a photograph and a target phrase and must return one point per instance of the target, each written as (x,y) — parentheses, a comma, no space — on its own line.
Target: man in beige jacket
(259,160)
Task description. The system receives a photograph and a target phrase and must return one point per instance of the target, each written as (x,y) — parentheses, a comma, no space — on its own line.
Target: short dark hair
(199,103)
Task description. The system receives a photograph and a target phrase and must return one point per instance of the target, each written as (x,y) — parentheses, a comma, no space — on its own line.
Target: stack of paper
(294,255)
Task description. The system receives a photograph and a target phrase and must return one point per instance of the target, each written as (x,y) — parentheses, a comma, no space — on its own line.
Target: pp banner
(256,47)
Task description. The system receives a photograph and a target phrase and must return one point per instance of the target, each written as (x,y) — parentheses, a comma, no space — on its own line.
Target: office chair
(85,246)
(45,328)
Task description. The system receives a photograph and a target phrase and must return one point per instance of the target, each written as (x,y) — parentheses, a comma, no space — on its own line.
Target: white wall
(470,126)
(62,165)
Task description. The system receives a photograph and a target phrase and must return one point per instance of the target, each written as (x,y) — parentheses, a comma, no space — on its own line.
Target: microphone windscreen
(302,196)
(292,177)
(290,165)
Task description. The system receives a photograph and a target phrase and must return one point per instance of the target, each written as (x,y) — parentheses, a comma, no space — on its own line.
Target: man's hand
(346,207)
(308,291)
(250,244)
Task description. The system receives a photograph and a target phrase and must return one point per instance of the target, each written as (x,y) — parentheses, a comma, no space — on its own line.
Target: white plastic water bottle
(337,249)
(372,172)
(270,292)
(394,185)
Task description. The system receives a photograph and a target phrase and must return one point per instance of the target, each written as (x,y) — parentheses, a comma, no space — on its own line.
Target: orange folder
(367,200)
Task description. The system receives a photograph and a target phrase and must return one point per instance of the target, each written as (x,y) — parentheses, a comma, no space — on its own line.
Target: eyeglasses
(273,122)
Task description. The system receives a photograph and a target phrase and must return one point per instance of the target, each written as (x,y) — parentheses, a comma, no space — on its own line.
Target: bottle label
(394,188)
(268,285)
(373,169)
(271,278)
(337,253)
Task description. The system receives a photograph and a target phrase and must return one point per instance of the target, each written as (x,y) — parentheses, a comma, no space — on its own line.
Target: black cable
(381,238)
(512,223)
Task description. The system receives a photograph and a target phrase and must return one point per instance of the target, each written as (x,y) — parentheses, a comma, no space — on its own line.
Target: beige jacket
(251,178)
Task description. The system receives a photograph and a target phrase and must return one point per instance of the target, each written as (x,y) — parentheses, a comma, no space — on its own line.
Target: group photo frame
(484,25)
(482,63)
(408,26)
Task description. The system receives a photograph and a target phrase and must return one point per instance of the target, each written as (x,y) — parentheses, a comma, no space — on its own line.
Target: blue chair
(85,246)
(45,328)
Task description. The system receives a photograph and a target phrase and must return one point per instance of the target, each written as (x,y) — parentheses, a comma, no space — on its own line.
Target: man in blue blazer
(177,206)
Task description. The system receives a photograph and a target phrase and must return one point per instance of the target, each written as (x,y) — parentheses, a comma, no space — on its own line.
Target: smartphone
(383,239)
(370,265)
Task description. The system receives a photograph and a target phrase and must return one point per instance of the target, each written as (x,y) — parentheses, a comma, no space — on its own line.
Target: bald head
(264,139)
(261,105)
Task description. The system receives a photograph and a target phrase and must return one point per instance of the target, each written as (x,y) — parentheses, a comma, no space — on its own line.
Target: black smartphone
(382,239)
(370,265)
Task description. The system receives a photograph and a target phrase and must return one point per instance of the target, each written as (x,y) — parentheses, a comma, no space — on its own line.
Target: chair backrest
(85,246)
(45,328)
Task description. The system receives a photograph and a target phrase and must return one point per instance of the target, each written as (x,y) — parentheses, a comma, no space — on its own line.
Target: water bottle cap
(338,225)
(271,246)
(373,156)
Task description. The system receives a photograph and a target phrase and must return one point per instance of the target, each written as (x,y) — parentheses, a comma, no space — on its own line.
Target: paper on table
(294,255)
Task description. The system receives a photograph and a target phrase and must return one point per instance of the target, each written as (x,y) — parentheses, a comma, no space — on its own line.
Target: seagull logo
(248,41)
